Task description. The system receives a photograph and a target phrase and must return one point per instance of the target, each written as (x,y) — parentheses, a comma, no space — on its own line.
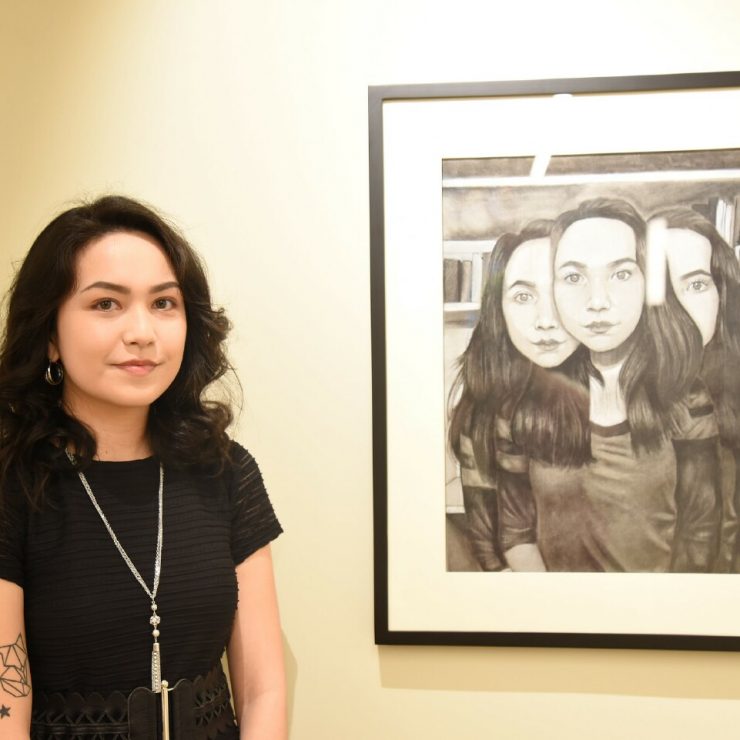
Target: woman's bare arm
(15,676)
(256,653)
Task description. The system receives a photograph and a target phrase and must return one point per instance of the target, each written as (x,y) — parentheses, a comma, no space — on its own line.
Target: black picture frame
(406,631)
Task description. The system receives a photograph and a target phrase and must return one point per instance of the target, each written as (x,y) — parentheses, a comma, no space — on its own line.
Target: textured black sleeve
(253,522)
(13,527)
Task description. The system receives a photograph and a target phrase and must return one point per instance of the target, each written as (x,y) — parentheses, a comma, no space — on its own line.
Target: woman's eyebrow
(572,263)
(695,273)
(621,261)
(116,288)
(523,283)
(107,286)
(165,286)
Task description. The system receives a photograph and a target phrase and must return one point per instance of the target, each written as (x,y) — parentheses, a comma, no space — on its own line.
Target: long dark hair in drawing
(548,408)
(665,349)
(719,369)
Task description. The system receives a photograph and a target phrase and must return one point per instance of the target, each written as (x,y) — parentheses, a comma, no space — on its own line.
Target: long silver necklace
(154,620)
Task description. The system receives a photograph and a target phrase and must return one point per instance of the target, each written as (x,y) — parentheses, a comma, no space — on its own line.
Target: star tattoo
(4,712)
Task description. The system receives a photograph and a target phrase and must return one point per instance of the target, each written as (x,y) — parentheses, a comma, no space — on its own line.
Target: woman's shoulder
(239,457)
(241,471)
(253,516)
(233,458)
(14,500)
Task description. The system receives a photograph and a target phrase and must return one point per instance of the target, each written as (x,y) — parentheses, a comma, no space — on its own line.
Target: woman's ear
(52,351)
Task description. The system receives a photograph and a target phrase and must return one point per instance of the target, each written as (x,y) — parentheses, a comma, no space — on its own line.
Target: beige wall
(246,121)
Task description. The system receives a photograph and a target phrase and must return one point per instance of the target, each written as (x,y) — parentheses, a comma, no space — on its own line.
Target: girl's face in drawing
(529,310)
(689,256)
(599,287)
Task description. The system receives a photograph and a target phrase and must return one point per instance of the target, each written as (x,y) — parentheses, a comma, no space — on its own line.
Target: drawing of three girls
(595,431)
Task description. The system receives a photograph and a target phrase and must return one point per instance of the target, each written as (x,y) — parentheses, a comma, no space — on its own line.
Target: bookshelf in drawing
(465,265)
(723,213)
(466,261)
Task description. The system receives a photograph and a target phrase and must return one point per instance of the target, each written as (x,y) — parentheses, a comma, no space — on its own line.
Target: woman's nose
(599,296)
(546,316)
(139,328)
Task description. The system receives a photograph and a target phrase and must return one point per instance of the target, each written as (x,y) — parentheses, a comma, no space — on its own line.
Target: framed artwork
(555,337)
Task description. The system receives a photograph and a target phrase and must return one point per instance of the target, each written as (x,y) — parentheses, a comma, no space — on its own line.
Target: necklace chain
(158,685)
(152,594)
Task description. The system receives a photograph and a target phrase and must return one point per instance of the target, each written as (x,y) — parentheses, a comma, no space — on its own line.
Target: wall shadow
(649,673)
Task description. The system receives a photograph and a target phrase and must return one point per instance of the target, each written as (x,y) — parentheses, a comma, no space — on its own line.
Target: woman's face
(599,287)
(689,256)
(120,334)
(529,310)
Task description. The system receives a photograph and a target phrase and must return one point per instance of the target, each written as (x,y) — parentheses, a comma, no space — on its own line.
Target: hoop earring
(54,374)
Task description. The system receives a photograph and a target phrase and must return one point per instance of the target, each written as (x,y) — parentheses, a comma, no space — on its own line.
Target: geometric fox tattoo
(14,668)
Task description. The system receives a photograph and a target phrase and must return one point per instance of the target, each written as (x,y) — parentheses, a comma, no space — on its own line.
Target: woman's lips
(137,367)
(548,345)
(600,327)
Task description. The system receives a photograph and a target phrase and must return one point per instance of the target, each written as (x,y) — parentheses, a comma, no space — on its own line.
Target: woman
(129,518)
(651,489)
(705,278)
(516,399)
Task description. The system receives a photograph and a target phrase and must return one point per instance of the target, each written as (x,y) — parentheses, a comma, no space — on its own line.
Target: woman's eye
(697,286)
(623,275)
(105,304)
(523,298)
(164,303)
(573,278)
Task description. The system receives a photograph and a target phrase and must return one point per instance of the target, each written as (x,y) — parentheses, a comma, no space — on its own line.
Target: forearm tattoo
(14,677)
(4,711)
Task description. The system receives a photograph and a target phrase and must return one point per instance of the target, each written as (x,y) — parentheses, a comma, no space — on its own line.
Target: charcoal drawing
(592,393)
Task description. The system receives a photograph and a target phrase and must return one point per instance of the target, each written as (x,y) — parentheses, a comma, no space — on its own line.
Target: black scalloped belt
(199,710)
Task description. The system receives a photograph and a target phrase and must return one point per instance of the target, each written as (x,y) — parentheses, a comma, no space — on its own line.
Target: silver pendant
(155,620)
(156,669)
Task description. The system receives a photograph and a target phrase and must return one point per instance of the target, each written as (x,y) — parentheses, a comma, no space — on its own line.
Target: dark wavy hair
(547,408)
(722,353)
(185,429)
(665,349)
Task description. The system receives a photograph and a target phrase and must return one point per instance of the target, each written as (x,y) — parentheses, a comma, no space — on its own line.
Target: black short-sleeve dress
(87,618)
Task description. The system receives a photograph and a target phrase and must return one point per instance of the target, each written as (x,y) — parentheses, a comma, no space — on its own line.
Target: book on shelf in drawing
(464,277)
